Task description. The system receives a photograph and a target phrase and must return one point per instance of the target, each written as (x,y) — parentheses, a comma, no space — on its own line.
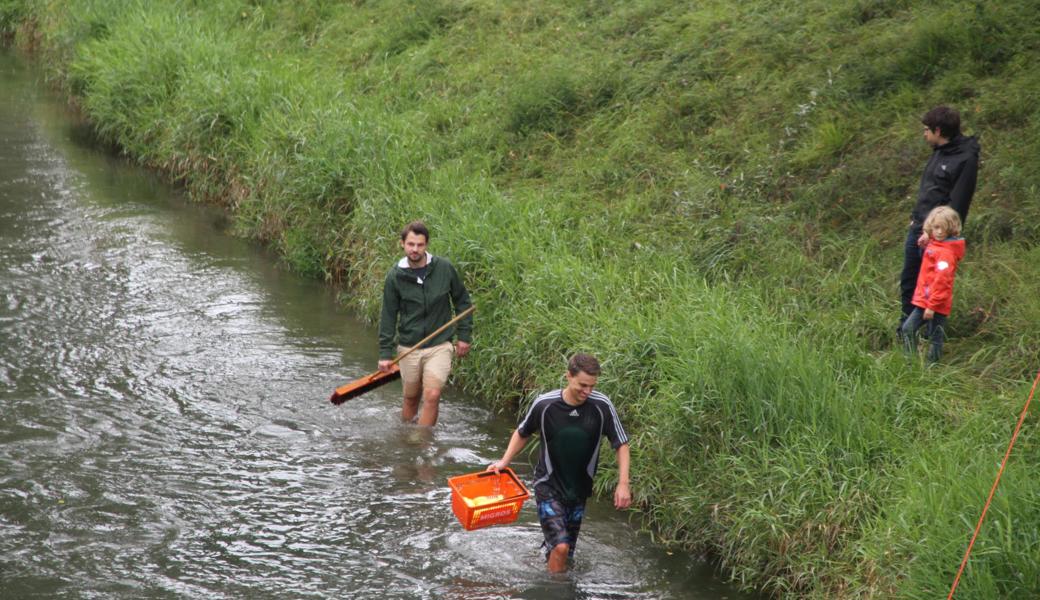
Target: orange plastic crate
(486,498)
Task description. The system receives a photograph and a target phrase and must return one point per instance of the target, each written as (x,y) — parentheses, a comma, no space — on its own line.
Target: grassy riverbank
(710,196)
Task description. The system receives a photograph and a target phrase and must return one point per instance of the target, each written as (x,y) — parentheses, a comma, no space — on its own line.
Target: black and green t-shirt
(571,436)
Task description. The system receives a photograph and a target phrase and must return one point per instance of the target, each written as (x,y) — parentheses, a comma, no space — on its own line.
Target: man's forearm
(964,189)
(387,333)
(623,491)
(388,322)
(623,462)
(516,444)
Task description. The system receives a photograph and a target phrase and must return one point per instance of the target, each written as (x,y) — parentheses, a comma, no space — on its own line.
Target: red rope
(993,490)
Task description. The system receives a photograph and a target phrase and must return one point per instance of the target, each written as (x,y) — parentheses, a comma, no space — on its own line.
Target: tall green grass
(711,197)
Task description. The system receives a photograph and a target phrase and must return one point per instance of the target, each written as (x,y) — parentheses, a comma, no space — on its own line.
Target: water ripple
(165,430)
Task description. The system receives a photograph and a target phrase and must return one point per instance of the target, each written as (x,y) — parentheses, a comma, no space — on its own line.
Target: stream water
(164,424)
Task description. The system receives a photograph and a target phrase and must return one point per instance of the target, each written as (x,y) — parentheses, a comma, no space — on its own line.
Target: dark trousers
(911,268)
(936,333)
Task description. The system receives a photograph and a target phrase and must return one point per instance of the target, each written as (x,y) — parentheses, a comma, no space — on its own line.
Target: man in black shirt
(949,178)
(571,422)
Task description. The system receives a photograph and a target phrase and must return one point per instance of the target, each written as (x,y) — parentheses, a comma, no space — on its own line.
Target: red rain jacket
(935,281)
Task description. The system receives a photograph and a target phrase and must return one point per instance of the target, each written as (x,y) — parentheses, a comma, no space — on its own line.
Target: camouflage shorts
(560,523)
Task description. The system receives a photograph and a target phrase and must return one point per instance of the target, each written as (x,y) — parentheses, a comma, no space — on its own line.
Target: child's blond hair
(945,218)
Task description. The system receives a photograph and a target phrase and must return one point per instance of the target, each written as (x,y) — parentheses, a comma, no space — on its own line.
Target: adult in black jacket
(949,179)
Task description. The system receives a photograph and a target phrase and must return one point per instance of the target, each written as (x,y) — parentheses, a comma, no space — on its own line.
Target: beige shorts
(429,367)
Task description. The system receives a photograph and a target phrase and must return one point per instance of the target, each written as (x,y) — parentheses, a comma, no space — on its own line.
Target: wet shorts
(560,522)
(428,367)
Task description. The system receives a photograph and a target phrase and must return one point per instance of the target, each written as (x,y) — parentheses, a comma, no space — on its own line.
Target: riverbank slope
(712,198)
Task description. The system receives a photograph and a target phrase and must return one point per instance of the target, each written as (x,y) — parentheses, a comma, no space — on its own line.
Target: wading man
(571,422)
(948,180)
(421,293)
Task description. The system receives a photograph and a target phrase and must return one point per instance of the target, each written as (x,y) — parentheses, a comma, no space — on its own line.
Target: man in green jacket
(421,293)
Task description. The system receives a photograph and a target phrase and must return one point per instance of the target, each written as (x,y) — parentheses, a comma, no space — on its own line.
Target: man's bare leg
(410,408)
(431,399)
(558,558)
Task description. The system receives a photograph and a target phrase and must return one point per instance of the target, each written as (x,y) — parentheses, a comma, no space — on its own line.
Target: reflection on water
(165,430)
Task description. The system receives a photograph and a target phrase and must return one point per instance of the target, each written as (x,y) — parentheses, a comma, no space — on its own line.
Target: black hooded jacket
(949,178)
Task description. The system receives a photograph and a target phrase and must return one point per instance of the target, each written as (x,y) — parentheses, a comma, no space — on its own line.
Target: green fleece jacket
(414,308)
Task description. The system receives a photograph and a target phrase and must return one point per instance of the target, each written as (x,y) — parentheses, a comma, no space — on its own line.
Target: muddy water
(164,428)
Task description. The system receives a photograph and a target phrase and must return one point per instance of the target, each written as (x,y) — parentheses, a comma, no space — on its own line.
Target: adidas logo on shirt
(573,413)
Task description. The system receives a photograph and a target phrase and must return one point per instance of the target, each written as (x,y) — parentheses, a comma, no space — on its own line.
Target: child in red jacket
(933,297)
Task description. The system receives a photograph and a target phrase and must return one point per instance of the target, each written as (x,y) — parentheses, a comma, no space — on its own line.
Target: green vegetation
(711,196)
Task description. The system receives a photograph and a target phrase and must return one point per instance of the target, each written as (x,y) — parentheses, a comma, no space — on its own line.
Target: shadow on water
(165,430)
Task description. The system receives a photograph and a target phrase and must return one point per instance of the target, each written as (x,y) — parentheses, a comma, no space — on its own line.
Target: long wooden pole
(436,332)
(369,382)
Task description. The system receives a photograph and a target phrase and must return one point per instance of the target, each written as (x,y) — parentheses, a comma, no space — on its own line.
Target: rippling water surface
(164,428)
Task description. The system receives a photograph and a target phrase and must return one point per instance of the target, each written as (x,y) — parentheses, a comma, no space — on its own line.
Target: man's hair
(944,217)
(583,363)
(416,227)
(946,119)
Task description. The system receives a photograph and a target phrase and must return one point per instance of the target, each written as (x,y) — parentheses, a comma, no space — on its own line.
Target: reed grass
(710,197)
